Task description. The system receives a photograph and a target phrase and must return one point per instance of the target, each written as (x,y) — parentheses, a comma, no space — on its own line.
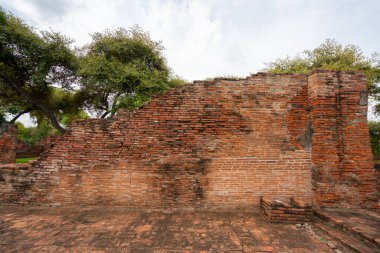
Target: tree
(2,118)
(332,55)
(374,132)
(122,69)
(32,66)
(32,135)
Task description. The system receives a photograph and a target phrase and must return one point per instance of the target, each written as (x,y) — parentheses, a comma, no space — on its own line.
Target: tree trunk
(104,114)
(49,114)
(19,115)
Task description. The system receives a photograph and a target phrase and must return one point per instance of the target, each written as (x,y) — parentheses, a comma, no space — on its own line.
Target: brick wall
(221,143)
(8,138)
(24,150)
(282,211)
(343,171)
(16,181)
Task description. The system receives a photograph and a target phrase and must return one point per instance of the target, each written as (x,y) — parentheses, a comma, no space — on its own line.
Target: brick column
(343,169)
(8,141)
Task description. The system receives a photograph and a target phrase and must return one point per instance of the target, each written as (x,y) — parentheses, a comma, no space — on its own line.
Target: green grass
(25,160)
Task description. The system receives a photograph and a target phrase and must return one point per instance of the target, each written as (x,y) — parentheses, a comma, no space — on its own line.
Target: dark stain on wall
(306,139)
(183,180)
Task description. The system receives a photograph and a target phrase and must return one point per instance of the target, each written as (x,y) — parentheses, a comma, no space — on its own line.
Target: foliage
(39,75)
(2,117)
(176,81)
(32,135)
(66,105)
(32,65)
(374,132)
(123,68)
(222,77)
(25,160)
(331,55)
(68,118)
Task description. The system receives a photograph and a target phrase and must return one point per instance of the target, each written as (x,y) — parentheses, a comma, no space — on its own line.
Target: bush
(374,133)
(32,135)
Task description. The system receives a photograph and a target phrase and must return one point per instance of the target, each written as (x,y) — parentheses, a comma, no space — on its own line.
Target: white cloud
(192,40)
(207,38)
(216,37)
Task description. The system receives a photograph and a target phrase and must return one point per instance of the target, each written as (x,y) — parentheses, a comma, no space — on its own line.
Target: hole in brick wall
(306,139)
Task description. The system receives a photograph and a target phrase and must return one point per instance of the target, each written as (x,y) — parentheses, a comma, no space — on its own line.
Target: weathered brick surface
(16,181)
(221,143)
(8,138)
(343,168)
(201,144)
(24,150)
(279,211)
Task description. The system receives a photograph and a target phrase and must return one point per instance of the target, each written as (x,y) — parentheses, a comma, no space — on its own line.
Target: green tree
(2,117)
(43,129)
(32,135)
(32,65)
(123,68)
(374,131)
(335,56)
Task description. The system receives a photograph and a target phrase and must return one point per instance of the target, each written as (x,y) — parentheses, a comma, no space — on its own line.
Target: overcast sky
(208,38)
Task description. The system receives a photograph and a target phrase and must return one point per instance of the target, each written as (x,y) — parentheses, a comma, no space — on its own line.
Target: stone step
(352,230)
(344,238)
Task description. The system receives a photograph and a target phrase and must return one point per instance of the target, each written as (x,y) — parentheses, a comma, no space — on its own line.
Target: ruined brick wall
(221,143)
(8,139)
(343,167)
(24,150)
(16,181)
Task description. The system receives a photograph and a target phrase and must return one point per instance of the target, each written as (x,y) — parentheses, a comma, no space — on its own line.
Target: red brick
(8,140)
(221,143)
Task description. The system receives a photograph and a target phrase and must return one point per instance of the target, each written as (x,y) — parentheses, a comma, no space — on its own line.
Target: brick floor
(37,229)
(364,223)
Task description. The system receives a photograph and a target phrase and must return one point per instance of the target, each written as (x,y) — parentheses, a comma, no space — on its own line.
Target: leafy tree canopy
(374,132)
(41,75)
(43,129)
(2,118)
(32,135)
(335,56)
(123,68)
(32,66)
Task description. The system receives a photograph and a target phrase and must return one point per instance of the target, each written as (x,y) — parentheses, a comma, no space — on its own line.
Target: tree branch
(29,109)
(113,107)
(50,115)
(104,114)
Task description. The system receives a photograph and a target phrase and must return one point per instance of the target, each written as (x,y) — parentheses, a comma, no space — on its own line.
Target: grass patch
(25,160)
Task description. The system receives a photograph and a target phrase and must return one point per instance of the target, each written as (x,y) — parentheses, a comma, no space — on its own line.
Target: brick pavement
(363,223)
(116,229)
